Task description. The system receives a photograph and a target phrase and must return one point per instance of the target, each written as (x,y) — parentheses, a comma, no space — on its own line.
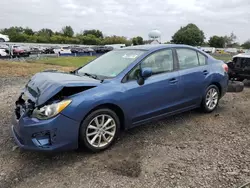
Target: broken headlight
(51,110)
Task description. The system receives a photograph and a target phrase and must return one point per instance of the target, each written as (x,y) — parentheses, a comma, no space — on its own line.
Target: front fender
(83,103)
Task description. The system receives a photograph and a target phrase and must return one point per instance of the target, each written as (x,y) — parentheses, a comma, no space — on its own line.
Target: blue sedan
(119,90)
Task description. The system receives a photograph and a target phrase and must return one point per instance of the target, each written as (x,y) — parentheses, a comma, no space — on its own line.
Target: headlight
(51,110)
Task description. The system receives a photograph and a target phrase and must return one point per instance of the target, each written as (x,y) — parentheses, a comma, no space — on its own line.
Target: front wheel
(99,130)
(210,99)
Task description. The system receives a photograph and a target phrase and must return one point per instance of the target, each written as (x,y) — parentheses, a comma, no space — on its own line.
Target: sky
(131,18)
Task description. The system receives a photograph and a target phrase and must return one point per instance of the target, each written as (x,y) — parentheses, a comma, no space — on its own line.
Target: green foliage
(230,40)
(96,33)
(67,31)
(28,31)
(89,39)
(114,40)
(45,32)
(190,35)
(217,42)
(246,44)
(137,40)
(66,36)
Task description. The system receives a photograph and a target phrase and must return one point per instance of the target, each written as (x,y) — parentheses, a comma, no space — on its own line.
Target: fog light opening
(42,139)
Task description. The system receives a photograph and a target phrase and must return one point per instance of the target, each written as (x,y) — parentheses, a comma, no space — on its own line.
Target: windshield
(111,64)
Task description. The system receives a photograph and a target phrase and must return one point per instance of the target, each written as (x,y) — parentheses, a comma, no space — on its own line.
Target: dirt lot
(187,150)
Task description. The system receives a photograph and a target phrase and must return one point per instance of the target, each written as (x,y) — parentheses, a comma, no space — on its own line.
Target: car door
(159,94)
(194,76)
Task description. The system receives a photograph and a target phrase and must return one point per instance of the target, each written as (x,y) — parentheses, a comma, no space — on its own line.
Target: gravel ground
(188,150)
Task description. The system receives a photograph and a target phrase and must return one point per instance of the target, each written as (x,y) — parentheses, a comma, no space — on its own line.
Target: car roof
(149,47)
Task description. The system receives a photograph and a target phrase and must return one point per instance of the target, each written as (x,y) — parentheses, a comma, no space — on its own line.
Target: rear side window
(187,58)
(202,59)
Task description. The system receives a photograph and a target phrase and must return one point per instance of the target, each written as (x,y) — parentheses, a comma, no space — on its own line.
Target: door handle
(173,80)
(205,72)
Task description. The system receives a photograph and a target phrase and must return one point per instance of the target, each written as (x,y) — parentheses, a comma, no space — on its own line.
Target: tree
(216,41)
(89,39)
(96,33)
(115,40)
(190,35)
(67,31)
(28,31)
(45,32)
(229,40)
(137,40)
(246,44)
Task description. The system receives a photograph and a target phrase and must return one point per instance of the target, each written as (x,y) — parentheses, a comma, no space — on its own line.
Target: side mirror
(144,73)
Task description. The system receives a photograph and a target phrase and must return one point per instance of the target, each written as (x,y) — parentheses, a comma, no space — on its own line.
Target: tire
(99,133)
(214,101)
(2,40)
(235,86)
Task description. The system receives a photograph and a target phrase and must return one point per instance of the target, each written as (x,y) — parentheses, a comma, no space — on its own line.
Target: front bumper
(57,134)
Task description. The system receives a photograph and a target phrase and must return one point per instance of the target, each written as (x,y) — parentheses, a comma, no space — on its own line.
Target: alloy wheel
(101,131)
(212,98)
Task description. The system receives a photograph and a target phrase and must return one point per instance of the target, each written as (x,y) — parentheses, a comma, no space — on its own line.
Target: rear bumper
(57,134)
(224,85)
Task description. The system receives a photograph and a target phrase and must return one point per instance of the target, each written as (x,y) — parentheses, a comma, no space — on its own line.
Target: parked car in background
(20,51)
(3,52)
(76,50)
(48,50)
(239,67)
(102,49)
(88,49)
(36,50)
(209,50)
(4,38)
(62,50)
(118,90)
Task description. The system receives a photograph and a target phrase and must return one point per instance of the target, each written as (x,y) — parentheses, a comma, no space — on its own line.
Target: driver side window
(160,61)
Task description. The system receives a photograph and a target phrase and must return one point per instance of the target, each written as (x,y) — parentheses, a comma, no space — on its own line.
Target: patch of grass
(67,61)
(224,58)
(9,69)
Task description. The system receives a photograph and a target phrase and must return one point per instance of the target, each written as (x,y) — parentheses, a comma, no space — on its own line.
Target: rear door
(194,72)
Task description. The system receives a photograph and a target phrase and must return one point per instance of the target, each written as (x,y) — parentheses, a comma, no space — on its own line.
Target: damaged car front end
(38,122)
(239,67)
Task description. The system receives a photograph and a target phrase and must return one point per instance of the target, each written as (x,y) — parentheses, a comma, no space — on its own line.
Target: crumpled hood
(43,86)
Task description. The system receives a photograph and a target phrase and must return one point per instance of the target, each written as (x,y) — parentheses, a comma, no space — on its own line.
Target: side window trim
(199,58)
(124,80)
(177,59)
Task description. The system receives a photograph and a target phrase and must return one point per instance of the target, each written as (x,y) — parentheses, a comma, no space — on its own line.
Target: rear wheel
(210,99)
(99,130)
(2,40)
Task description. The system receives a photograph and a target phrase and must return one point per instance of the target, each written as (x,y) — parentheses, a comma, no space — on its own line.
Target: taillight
(225,67)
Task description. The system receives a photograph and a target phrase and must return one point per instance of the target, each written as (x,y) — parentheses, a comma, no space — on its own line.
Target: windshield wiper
(90,75)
